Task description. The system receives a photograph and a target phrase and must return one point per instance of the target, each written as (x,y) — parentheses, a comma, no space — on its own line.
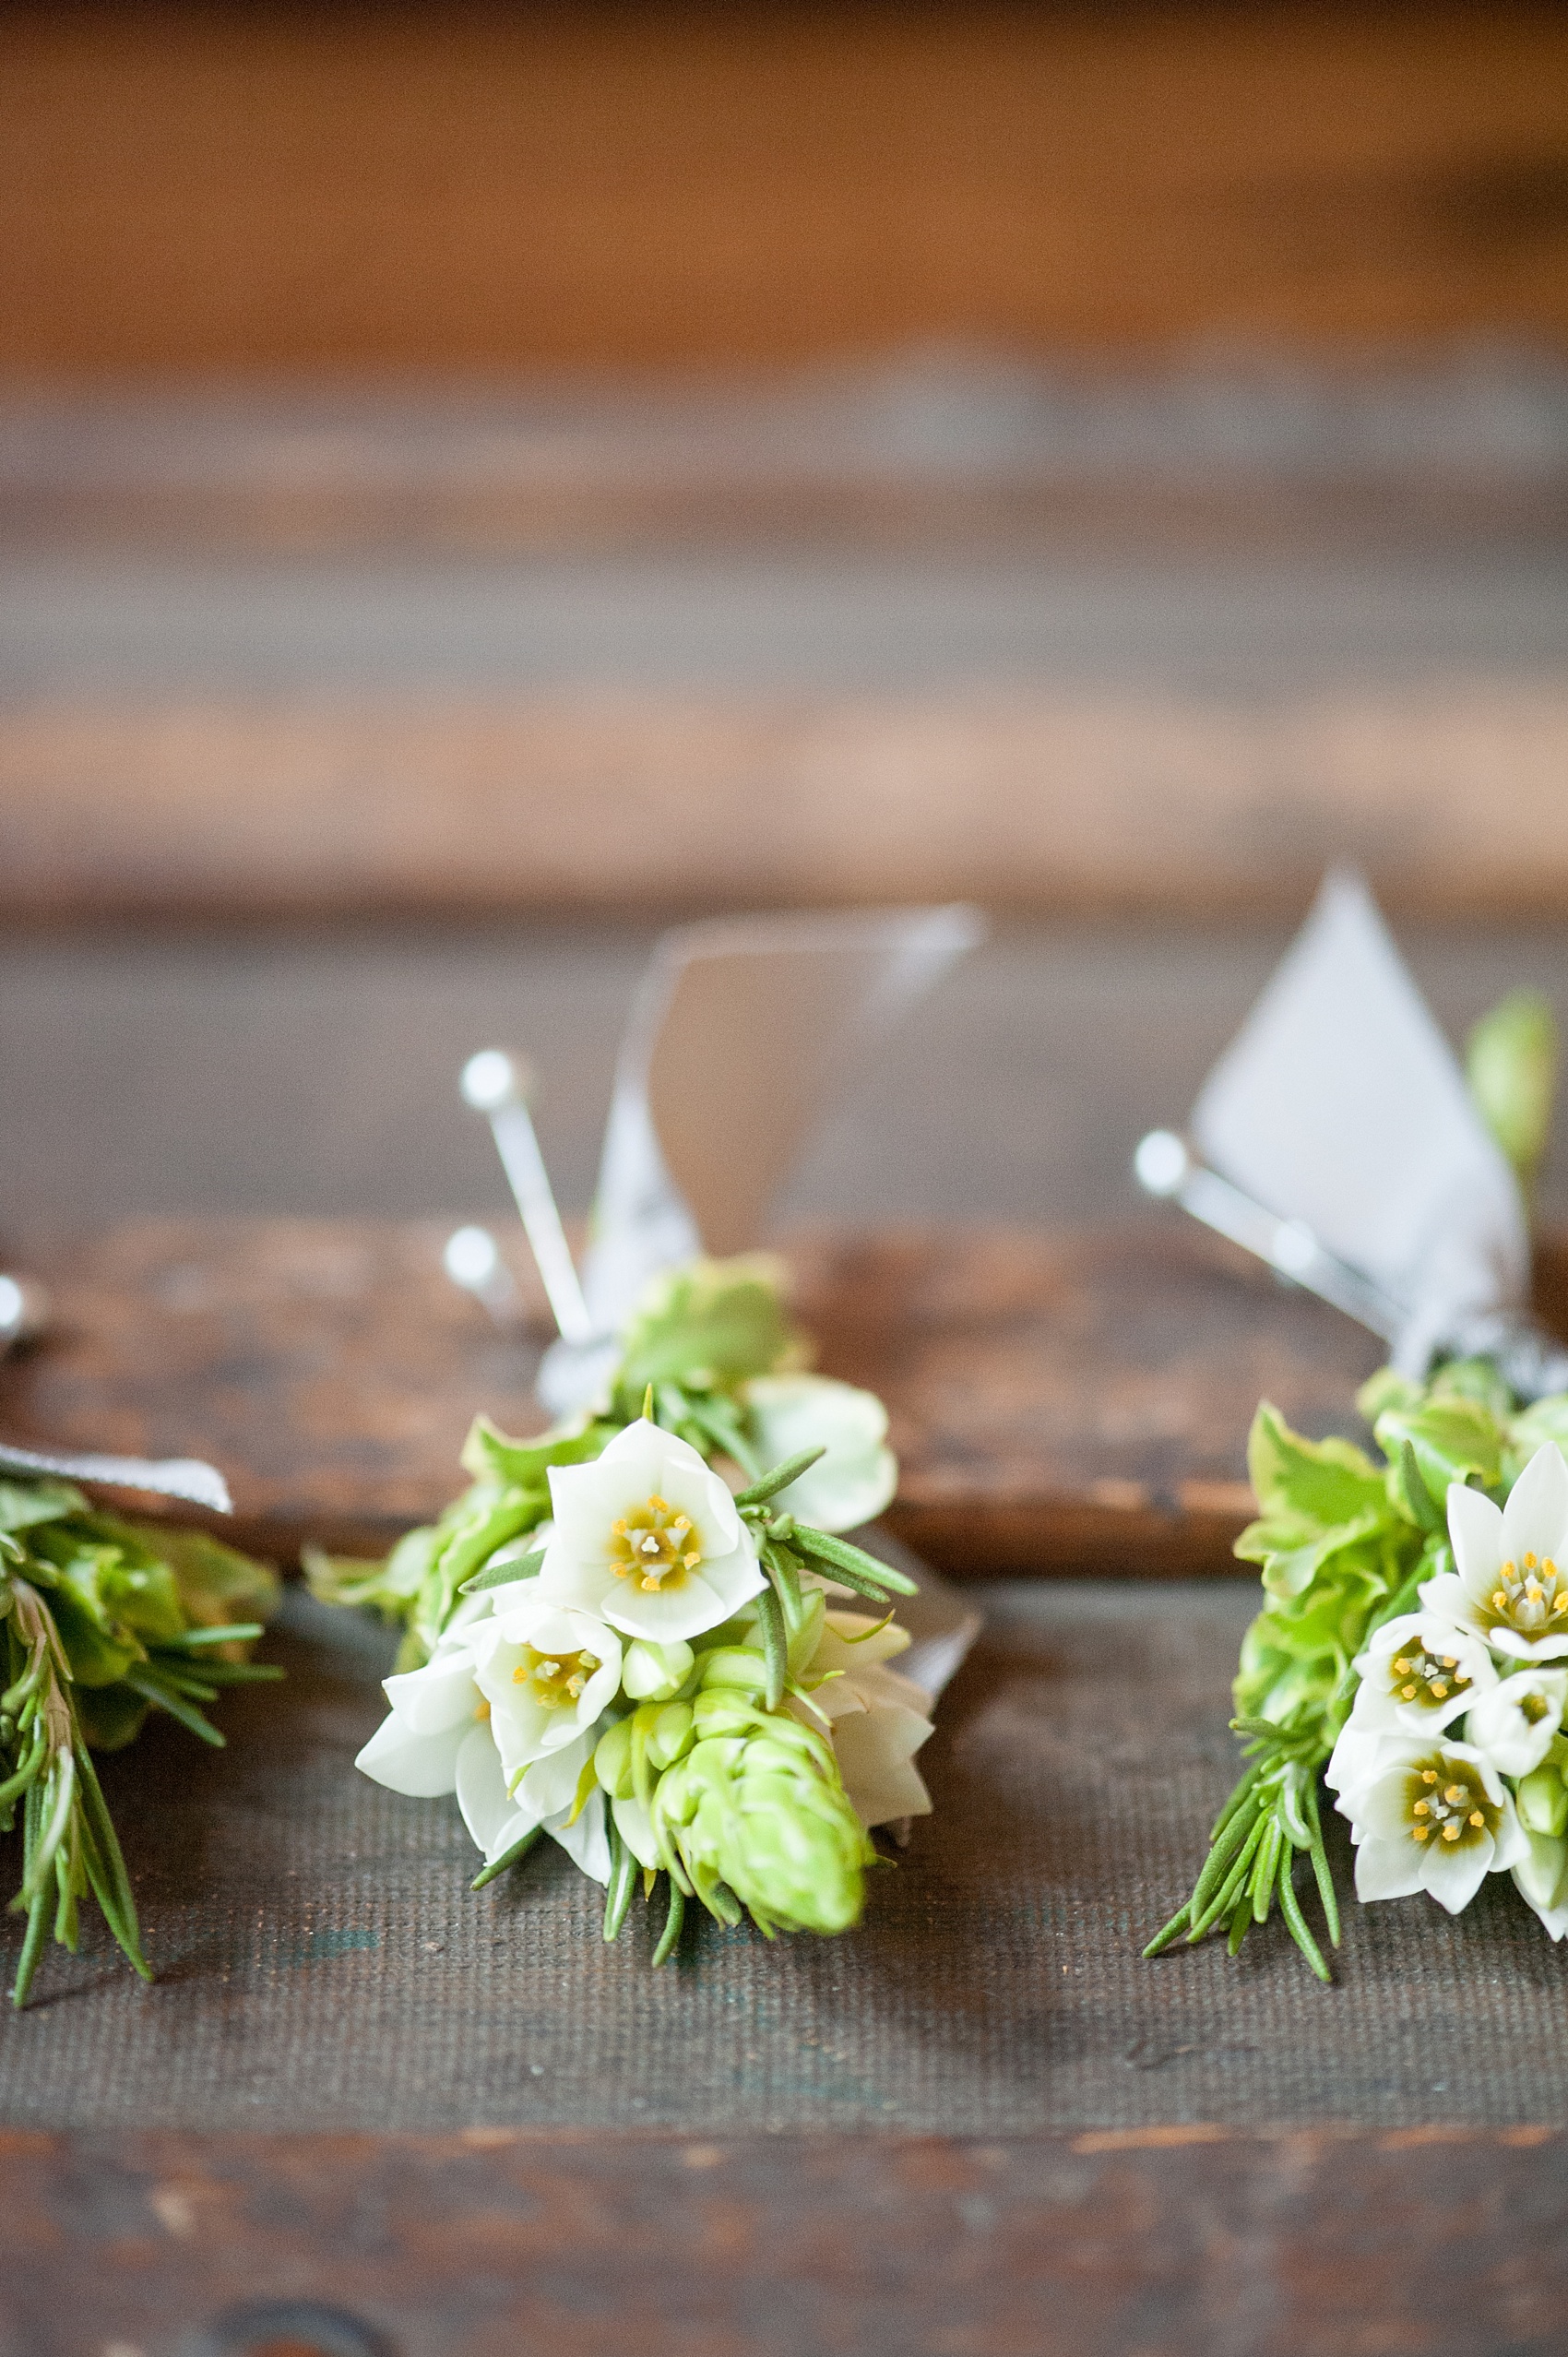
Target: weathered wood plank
(278,189)
(1028,797)
(1181,2240)
(1061,1401)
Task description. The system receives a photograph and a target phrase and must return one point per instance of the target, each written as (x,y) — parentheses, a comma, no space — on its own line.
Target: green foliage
(699,1333)
(752,1814)
(707,1327)
(1343,1544)
(1511,1064)
(102,1621)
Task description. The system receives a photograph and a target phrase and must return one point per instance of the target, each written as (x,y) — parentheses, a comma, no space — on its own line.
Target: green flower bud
(1511,1064)
(652,1672)
(1543,1801)
(756,1813)
(612,1760)
(740,1666)
(670,1734)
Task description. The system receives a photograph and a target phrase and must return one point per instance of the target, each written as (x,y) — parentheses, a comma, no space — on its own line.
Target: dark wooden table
(362,2109)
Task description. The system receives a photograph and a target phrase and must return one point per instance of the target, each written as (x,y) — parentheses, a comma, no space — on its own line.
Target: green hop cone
(756,1812)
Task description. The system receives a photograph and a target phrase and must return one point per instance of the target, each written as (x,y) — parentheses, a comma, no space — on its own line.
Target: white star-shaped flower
(547,1671)
(1419,1673)
(1512,1723)
(1433,1817)
(647,1538)
(1511,1581)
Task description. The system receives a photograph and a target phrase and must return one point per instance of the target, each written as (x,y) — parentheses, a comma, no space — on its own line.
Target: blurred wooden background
(272,187)
(597,459)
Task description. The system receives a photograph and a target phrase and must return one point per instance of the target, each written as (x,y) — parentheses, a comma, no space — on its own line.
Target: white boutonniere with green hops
(102,1622)
(642,1634)
(1411,1654)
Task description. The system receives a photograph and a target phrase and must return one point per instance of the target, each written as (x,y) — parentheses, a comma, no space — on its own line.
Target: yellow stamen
(1402,1669)
(1476,1818)
(1429,1776)
(1422,1832)
(1407,1694)
(1439,1687)
(1423,1808)
(1451,1833)
(1529,1563)
(1454,1794)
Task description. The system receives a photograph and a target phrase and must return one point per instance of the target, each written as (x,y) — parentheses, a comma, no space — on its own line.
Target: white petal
(1446,1596)
(1474,1529)
(585,1841)
(1497,1726)
(580,1583)
(421,1765)
(439,1695)
(1535,1519)
(1454,1873)
(875,1751)
(635,1829)
(1541,1879)
(850,1637)
(856,1477)
(550,1784)
(1354,1762)
(1387,1869)
(663,1615)
(492,1816)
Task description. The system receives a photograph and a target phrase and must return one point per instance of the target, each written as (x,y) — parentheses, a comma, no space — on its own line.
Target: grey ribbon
(182,1477)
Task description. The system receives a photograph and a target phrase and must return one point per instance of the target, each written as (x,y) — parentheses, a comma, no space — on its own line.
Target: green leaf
(1542,1421)
(25,1504)
(710,1325)
(1321,1481)
(1291,1561)
(1452,1438)
(489,1455)
(111,1717)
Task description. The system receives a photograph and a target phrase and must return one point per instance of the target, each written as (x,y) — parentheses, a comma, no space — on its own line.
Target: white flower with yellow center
(1511,1584)
(1512,1724)
(856,1479)
(877,1720)
(547,1671)
(438,1738)
(1433,1817)
(647,1538)
(1418,1675)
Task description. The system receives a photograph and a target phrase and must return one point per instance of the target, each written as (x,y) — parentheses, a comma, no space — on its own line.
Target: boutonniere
(103,1623)
(1410,1666)
(647,1634)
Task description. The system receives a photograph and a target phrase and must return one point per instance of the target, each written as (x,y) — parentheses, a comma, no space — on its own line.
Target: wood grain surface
(268,188)
(493,2244)
(1024,798)
(1076,1401)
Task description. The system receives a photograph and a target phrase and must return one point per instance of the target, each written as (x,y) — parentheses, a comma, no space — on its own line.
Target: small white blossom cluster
(643,1558)
(1451,1764)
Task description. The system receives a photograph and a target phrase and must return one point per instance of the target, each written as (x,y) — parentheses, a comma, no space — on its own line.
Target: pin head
(472,1257)
(492,1080)
(1163,1162)
(24,1310)
(493,1077)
